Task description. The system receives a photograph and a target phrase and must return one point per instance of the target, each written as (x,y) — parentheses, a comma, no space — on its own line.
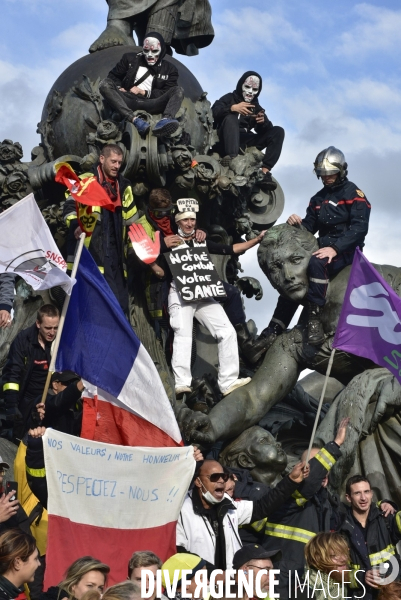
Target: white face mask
(208,496)
(182,234)
(151,50)
(250,88)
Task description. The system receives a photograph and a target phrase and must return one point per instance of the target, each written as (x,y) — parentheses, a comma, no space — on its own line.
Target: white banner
(118,487)
(27,247)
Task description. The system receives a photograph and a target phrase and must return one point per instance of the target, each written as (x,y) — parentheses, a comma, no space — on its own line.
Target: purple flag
(370,319)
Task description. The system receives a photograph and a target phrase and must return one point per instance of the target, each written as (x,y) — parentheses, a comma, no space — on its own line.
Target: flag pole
(319,408)
(56,342)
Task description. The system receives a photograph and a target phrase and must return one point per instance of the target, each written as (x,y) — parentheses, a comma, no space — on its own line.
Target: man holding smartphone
(242,123)
(12,515)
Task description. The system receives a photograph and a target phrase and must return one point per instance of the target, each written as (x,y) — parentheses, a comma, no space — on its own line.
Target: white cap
(185,215)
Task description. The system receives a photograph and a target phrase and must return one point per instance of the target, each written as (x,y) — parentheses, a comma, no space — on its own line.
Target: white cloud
(378,31)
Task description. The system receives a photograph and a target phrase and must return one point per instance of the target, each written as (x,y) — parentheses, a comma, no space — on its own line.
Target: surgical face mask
(208,496)
(250,88)
(182,234)
(151,50)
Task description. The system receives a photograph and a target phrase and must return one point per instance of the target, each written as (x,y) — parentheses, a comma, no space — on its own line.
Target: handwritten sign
(105,485)
(194,273)
(187,205)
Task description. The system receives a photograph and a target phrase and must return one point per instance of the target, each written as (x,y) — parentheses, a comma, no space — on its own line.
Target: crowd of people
(299,527)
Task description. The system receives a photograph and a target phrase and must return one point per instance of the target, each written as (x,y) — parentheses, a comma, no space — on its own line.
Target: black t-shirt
(37,380)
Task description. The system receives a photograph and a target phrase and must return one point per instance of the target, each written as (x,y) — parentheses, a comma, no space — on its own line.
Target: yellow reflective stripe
(299,498)
(36,472)
(11,386)
(325,459)
(378,557)
(128,214)
(398,520)
(353,582)
(156,313)
(259,525)
(101,269)
(128,197)
(71,217)
(125,274)
(69,266)
(289,533)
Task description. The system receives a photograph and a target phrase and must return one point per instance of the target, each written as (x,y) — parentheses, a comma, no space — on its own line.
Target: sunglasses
(214,477)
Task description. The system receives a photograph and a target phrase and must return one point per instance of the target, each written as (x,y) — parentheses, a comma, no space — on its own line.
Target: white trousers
(211,315)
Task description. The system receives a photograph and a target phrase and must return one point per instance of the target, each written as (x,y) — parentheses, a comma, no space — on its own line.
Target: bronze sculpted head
(283,256)
(257,450)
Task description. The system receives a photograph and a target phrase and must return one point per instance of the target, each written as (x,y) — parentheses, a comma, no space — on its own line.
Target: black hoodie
(222,107)
(165,74)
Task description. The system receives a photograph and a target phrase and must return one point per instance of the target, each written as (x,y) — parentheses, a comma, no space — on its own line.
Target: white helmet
(330,161)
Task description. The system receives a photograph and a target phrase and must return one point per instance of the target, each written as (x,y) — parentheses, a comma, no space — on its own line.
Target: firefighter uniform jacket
(122,217)
(340,213)
(382,534)
(299,519)
(18,369)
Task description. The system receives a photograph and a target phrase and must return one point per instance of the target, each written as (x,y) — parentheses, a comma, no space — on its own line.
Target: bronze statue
(283,256)
(184,24)
(256,450)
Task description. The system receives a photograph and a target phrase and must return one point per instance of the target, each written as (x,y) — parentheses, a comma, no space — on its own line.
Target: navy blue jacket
(340,213)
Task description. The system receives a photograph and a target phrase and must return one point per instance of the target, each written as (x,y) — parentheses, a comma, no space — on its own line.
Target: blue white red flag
(370,320)
(126,402)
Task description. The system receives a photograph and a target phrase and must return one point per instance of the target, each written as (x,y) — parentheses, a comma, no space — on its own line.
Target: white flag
(27,247)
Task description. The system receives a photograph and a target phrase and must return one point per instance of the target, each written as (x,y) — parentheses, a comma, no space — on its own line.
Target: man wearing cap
(191,563)
(252,559)
(63,408)
(208,313)
(159,217)
(209,518)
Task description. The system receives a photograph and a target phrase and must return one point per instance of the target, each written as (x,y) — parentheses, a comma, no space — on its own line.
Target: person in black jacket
(237,114)
(340,214)
(108,228)
(7,282)
(25,372)
(12,515)
(372,533)
(19,560)
(63,408)
(145,81)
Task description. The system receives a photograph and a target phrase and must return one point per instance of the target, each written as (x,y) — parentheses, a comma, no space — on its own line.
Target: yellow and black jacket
(121,218)
(307,512)
(382,534)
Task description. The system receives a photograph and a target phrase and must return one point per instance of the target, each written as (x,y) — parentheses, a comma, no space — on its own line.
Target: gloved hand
(13,413)
(250,286)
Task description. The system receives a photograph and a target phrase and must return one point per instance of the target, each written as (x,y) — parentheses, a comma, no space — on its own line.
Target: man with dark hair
(108,229)
(235,116)
(143,81)
(372,532)
(25,372)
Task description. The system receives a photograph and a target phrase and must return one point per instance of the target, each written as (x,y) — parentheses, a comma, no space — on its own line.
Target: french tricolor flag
(124,401)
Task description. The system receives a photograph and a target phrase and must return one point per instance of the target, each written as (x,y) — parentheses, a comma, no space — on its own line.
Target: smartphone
(12,486)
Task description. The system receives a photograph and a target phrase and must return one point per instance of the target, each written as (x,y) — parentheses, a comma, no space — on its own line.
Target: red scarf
(164,224)
(110,185)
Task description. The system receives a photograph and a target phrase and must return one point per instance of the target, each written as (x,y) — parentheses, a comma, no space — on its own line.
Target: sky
(331,76)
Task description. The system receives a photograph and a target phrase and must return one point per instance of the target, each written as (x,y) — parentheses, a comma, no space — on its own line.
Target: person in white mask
(209,519)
